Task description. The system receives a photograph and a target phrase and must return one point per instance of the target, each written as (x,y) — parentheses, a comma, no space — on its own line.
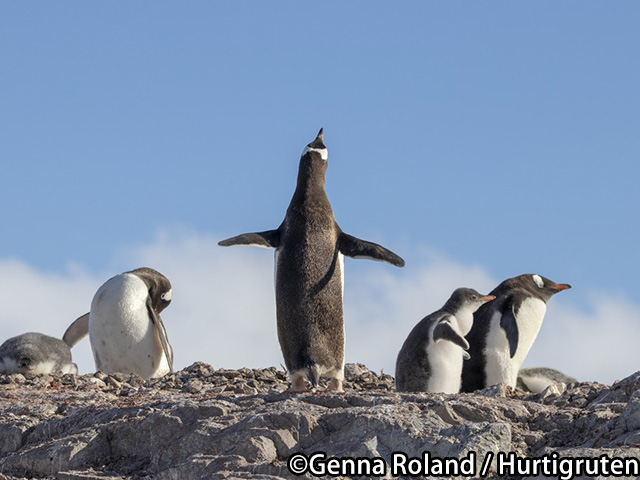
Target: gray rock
(207,423)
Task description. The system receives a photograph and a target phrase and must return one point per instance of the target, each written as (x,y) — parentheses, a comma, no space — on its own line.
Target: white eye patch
(166,296)
(538,281)
(324,153)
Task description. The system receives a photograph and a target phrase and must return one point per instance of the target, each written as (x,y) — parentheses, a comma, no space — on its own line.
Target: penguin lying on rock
(536,379)
(35,353)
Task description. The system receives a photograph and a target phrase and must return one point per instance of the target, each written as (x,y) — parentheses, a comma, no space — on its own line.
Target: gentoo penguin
(504,330)
(35,353)
(124,325)
(430,359)
(309,268)
(536,379)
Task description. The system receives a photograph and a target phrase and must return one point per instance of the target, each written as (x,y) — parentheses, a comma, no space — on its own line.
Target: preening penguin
(430,359)
(309,275)
(504,330)
(124,325)
(35,353)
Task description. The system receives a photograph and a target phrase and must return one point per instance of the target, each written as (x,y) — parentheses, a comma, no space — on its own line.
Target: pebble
(94,382)
(111,381)
(201,378)
(194,385)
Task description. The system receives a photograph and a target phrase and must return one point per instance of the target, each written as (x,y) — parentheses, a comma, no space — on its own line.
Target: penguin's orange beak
(561,286)
(488,298)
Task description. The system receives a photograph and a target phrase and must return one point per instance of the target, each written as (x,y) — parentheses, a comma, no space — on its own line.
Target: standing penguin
(35,353)
(504,330)
(430,359)
(309,276)
(124,325)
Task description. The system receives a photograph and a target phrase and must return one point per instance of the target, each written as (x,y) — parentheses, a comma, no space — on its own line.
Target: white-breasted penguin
(124,325)
(504,330)
(430,359)
(35,353)
(536,379)
(309,276)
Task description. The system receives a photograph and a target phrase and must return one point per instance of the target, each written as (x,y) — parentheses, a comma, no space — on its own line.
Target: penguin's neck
(311,180)
(464,316)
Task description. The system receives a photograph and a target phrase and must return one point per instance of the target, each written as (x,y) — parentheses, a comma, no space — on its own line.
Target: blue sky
(496,137)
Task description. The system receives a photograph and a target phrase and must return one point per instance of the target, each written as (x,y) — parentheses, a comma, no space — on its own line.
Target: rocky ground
(207,423)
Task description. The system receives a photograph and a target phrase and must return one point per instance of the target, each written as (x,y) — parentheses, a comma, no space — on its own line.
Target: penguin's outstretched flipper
(356,248)
(268,239)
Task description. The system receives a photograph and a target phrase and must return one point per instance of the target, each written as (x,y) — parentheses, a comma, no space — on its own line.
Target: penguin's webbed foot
(298,385)
(335,385)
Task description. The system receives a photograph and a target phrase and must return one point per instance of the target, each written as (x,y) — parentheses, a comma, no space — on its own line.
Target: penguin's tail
(312,373)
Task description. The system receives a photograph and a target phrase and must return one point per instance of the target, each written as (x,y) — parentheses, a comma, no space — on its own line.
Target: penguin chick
(35,353)
(431,357)
(536,379)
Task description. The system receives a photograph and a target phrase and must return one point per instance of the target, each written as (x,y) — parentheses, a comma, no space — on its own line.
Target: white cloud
(382,304)
(593,342)
(34,300)
(223,308)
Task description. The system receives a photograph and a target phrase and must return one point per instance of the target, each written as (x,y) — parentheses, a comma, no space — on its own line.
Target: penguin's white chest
(123,337)
(50,366)
(501,368)
(445,360)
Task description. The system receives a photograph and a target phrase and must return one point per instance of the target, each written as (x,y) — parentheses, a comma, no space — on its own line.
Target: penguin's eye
(474,297)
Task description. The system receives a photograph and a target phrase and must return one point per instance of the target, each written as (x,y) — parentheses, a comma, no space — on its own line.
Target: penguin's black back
(308,277)
(413,369)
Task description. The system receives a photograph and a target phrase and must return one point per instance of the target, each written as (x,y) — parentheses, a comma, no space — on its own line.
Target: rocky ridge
(203,422)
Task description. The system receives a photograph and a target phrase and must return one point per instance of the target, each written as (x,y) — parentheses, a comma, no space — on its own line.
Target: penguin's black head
(542,286)
(467,299)
(313,161)
(159,287)
(165,297)
(317,144)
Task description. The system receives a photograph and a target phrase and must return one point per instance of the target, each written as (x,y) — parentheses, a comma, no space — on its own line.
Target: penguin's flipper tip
(357,248)
(268,239)
(77,331)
